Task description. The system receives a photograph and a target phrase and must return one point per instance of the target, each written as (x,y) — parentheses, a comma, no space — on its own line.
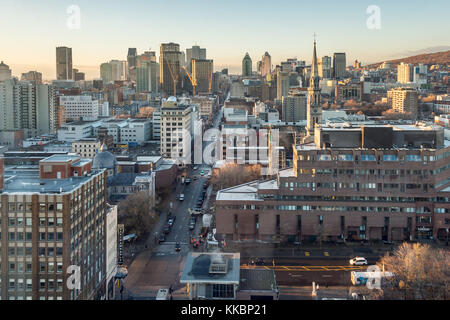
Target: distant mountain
(442,57)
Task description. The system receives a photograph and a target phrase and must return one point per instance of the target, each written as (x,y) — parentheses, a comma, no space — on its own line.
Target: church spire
(314,78)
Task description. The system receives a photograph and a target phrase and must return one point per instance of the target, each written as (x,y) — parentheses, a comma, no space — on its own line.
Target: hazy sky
(31,29)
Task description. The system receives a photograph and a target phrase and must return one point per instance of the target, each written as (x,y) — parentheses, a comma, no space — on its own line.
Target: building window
(223,291)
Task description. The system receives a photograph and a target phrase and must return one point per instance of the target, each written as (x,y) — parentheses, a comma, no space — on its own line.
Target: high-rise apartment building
(374,182)
(194,53)
(27,106)
(404,73)
(176,130)
(324,65)
(202,75)
(64,63)
(170,68)
(80,107)
(405,100)
(53,221)
(420,74)
(247,68)
(294,108)
(339,65)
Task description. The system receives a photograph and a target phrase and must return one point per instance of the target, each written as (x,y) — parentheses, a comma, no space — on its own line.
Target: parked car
(171,221)
(192,224)
(195,168)
(181,197)
(202,173)
(358,261)
(177,246)
(166,229)
(161,238)
(188,180)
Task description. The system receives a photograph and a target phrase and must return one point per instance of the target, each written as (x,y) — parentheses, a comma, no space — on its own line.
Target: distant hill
(429,58)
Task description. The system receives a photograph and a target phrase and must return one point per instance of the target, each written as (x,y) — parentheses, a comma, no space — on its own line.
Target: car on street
(177,247)
(188,180)
(181,197)
(166,229)
(192,224)
(171,221)
(358,261)
(195,178)
(195,168)
(199,203)
(161,238)
(202,173)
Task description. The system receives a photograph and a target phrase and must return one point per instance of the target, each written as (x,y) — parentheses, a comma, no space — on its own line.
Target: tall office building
(5,72)
(247,68)
(132,58)
(147,77)
(294,108)
(339,65)
(283,84)
(194,53)
(170,69)
(64,63)
(404,73)
(175,134)
(32,76)
(119,70)
(405,100)
(27,106)
(147,56)
(324,65)
(202,74)
(56,217)
(266,64)
(106,72)
(314,107)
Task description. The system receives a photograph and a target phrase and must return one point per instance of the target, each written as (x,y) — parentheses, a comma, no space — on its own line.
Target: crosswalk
(306,268)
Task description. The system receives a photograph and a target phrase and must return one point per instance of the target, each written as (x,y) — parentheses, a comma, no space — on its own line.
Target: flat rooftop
(61,158)
(29,182)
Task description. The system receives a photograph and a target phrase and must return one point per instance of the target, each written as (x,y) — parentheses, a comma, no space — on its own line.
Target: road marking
(305,268)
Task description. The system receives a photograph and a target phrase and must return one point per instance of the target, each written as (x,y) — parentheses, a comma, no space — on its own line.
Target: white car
(181,197)
(358,261)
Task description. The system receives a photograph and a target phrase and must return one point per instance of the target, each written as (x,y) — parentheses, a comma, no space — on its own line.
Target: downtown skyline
(226,29)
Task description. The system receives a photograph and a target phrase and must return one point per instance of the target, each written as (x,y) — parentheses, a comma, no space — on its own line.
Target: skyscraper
(33,76)
(106,72)
(5,72)
(339,64)
(202,71)
(169,64)
(266,64)
(294,108)
(324,65)
(64,63)
(247,66)
(146,77)
(132,58)
(282,84)
(194,53)
(314,107)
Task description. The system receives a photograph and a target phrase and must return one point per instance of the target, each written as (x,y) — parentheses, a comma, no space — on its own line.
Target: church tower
(314,107)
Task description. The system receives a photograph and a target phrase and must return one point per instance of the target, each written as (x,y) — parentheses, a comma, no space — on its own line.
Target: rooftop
(29,182)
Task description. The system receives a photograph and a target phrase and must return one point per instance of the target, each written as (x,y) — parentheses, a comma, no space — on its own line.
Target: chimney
(2,172)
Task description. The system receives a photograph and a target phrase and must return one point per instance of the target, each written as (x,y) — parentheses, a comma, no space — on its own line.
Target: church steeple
(314,78)
(314,105)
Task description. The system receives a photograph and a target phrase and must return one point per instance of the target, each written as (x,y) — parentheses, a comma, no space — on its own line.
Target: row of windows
(370,157)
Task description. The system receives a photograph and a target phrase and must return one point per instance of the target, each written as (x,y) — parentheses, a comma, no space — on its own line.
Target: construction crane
(174,78)
(193,81)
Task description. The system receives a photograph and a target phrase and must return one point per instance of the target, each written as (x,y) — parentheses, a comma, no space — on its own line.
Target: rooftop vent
(218,265)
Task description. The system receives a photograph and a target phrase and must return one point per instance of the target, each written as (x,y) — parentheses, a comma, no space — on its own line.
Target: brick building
(53,216)
(379,182)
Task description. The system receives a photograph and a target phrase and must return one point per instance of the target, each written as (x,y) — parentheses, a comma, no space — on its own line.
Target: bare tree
(235,174)
(136,214)
(421,272)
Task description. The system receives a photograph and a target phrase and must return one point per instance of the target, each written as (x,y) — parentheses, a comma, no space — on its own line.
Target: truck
(361,278)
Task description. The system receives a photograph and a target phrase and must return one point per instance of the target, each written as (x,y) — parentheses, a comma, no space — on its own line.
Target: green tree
(136,213)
